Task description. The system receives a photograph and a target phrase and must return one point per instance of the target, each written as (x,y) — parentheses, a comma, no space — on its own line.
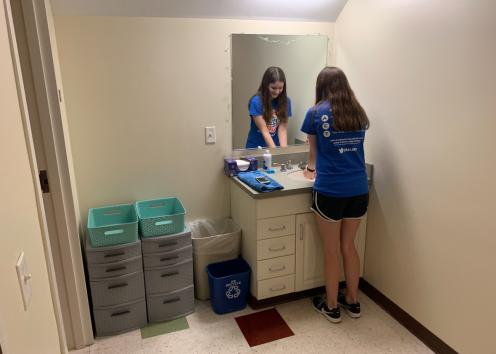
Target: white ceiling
(295,10)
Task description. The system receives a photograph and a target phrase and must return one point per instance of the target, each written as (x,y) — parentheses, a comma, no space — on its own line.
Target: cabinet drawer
(166,243)
(118,290)
(166,307)
(275,227)
(116,253)
(276,286)
(115,269)
(153,260)
(118,319)
(275,267)
(167,279)
(275,247)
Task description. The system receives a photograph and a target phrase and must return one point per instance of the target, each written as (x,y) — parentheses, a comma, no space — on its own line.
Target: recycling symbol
(233,290)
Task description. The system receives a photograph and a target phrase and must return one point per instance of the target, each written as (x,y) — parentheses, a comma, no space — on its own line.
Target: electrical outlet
(24,280)
(210,136)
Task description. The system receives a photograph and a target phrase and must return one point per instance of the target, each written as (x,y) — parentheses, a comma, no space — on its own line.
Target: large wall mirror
(301,57)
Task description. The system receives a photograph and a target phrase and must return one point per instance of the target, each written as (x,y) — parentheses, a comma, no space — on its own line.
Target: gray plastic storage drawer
(115,269)
(153,260)
(118,290)
(172,305)
(95,255)
(122,318)
(167,279)
(166,243)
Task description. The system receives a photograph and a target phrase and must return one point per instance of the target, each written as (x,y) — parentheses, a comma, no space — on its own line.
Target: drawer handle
(176,299)
(167,244)
(114,254)
(279,288)
(120,313)
(165,222)
(169,258)
(169,274)
(115,269)
(283,227)
(277,269)
(118,286)
(277,249)
(114,232)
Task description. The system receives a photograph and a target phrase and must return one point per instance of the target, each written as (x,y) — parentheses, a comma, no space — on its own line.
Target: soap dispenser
(267,157)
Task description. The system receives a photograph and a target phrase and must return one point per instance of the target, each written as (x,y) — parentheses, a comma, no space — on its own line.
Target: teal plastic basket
(112,225)
(159,217)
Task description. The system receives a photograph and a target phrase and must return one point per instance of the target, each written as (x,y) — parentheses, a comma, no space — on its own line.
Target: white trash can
(213,241)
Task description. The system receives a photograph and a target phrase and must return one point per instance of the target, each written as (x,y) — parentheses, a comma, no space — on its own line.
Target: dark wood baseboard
(416,328)
(435,343)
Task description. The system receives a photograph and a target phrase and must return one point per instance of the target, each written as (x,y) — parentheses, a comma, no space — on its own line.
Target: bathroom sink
(298,176)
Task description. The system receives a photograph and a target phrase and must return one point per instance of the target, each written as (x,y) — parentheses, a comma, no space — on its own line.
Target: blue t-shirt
(340,158)
(255,137)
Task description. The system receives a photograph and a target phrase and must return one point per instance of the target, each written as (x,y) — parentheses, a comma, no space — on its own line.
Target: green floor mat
(156,329)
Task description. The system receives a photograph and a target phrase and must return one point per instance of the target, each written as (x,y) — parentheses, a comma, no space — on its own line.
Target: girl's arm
(283,134)
(262,126)
(312,154)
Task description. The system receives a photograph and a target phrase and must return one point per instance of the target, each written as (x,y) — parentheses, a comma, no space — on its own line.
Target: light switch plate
(24,280)
(210,135)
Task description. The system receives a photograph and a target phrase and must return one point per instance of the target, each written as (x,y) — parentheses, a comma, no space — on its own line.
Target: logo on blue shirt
(343,150)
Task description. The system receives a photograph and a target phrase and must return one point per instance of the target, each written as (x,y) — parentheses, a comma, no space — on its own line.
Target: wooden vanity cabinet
(280,242)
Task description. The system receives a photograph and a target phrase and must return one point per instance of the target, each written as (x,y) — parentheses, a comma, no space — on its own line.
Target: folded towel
(256,179)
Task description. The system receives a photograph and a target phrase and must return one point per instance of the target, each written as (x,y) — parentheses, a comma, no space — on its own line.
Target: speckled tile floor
(375,332)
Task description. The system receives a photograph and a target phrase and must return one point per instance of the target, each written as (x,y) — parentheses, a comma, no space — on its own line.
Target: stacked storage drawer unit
(168,264)
(117,287)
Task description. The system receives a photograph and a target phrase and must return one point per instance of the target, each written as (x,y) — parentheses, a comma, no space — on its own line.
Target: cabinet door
(309,270)
(309,254)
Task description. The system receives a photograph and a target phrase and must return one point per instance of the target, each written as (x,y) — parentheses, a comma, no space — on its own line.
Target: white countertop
(291,186)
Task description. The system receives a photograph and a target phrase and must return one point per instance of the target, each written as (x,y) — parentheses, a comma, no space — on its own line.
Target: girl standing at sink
(269,110)
(336,127)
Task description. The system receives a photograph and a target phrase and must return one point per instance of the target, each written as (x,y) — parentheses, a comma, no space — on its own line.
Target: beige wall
(34,331)
(425,74)
(139,92)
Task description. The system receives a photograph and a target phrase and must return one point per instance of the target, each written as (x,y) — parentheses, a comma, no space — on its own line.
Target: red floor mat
(263,327)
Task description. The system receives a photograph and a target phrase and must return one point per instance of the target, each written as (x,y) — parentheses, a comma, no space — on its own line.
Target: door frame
(38,18)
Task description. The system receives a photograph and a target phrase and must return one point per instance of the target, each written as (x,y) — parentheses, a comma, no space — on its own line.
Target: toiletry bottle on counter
(267,157)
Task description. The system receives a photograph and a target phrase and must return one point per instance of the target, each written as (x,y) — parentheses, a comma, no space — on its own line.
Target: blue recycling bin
(229,284)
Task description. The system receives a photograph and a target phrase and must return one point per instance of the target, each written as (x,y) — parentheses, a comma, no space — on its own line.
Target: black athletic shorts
(336,209)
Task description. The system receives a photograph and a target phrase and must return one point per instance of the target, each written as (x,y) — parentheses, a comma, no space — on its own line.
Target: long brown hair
(348,114)
(270,76)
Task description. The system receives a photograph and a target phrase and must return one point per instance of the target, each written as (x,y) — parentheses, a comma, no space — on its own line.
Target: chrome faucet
(302,165)
(289,165)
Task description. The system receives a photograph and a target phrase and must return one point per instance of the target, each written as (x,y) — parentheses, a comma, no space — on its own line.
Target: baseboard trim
(416,328)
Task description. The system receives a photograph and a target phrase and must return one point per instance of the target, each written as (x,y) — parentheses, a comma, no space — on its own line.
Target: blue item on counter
(231,168)
(259,181)
(253,162)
